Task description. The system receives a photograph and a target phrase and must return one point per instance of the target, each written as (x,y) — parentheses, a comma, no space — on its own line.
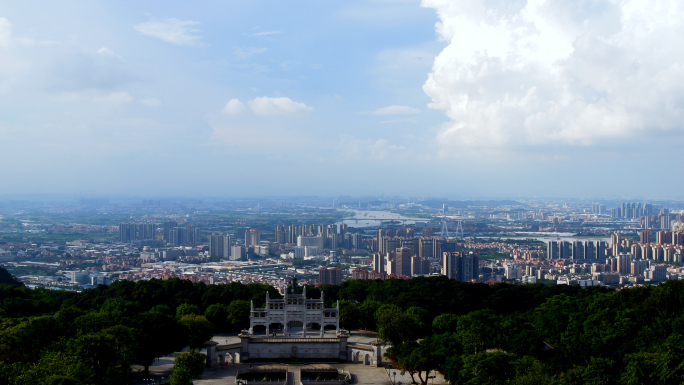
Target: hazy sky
(438,98)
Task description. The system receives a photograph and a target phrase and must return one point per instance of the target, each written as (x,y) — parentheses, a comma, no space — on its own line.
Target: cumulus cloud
(181,32)
(151,102)
(234,107)
(541,72)
(277,106)
(396,110)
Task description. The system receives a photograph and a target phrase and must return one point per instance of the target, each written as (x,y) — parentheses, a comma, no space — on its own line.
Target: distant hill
(7,279)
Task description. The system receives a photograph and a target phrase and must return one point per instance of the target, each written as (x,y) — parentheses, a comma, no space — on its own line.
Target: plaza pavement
(361,374)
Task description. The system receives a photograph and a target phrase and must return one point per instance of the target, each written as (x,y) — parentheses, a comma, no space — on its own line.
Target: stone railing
(342,377)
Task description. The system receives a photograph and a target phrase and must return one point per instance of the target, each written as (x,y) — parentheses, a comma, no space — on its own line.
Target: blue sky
(439,98)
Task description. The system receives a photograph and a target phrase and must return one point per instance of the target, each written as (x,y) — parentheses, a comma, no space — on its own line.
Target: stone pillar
(343,354)
(377,348)
(285,307)
(210,345)
(304,312)
(244,349)
(337,318)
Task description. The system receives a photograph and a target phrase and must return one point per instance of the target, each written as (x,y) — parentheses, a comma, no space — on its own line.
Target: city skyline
(501,99)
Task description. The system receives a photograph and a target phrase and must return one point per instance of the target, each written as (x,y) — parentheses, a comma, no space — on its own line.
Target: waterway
(552,236)
(363,218)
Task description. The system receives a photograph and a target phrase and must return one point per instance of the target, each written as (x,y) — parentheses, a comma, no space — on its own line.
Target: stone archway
(221,360)
(295,327)
(357,357)
(367,359)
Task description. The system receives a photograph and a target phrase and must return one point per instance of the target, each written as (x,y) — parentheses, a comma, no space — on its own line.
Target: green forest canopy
(472,333)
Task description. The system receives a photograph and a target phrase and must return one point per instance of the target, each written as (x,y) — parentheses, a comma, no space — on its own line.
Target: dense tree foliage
(93,337)
(187,367)
(523,334)
(7,279)
(472,333)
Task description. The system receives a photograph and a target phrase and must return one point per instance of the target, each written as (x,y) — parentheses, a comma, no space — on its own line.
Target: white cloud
(534,73)
(181,32)
(354,149)
(115,99)
(151,102)
(265,33)
(244,53)
(277,106)
(5,32)
(396,110)
(234,107)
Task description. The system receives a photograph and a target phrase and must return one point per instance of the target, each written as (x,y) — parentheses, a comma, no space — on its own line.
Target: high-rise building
(577,250)
(357,241)
(402,259)
(462,267)
(426,247)
(638,266)
(330,276)
(379,262)
(178,236)
(197,235)
(665,222)
(317,241)
(333,240)
(168,225)
(664,237)
(237,252)
(428,232)
(624,263)
(137,232)
(564,249)
(552,250)
(601,249)
(420,266)
(252,238)
(219,246)
(589,250)
(645,236)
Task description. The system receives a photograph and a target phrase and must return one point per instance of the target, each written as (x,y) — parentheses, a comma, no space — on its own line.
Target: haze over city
(444,98)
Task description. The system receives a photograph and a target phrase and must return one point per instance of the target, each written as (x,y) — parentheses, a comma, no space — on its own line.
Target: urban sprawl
(74,245)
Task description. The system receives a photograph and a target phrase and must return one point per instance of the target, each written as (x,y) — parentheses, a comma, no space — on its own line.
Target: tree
(419,358)
(596,371)
(367,313)
(157,334)
(217,314)
(200,330)
(7,279)
(445,323)
(188,366)
(238,315)
(486,368)
(529,371)
(641,369)
(477,330)
(349,315)
(395,326)
(185,309)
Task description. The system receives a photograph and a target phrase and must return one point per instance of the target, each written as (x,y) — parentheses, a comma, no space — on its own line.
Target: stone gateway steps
(295,377)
